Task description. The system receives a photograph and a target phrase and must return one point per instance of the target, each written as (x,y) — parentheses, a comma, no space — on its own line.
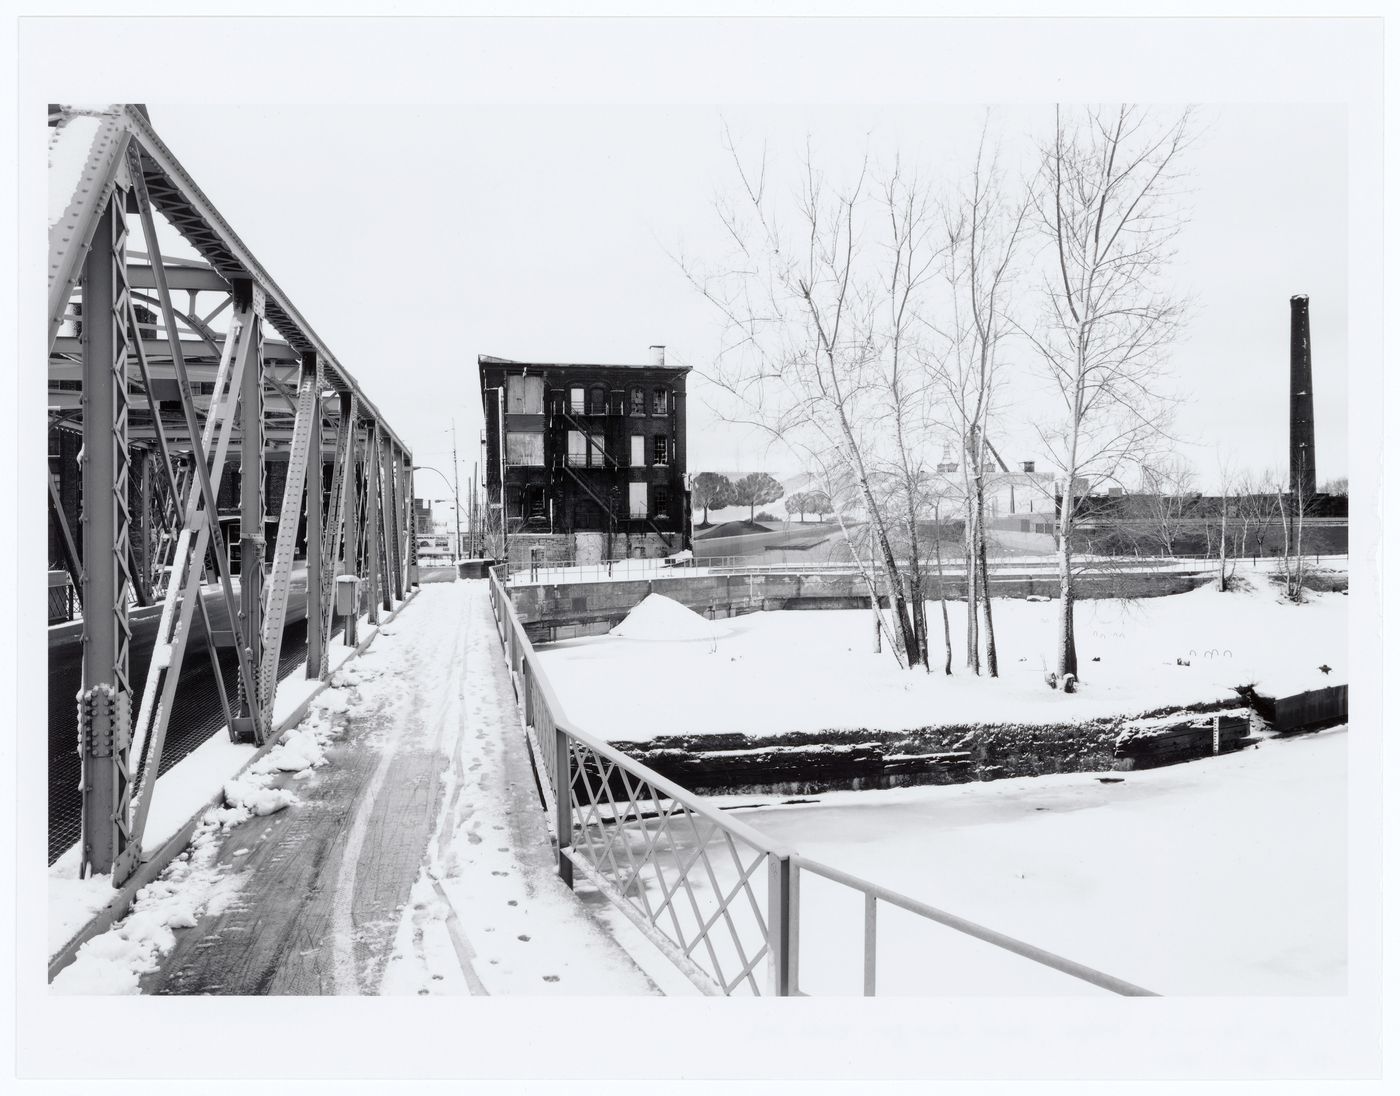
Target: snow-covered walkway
(415,859)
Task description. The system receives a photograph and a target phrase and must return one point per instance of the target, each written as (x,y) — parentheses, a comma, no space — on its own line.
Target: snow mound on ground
(658,617)
(194,884)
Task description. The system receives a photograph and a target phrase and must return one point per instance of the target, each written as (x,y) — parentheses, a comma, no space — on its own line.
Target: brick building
(592,457)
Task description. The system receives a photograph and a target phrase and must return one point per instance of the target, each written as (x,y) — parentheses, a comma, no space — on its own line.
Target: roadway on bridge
(418,859)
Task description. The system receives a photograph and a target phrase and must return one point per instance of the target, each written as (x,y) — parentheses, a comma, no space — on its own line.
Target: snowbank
(661,619)
(815,670)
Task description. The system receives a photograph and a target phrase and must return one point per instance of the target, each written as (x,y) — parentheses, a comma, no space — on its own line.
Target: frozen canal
(1222,876)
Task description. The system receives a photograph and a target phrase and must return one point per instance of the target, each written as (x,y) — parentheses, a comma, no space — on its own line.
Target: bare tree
(983,227)
(1165,492)
(1255,511)
(1229,486)
(911,260)
(803,305)
(1106,212)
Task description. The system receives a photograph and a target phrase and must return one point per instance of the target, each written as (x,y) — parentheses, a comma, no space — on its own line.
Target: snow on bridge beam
(186,207)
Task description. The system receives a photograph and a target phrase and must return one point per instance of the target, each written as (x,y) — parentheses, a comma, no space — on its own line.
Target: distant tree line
(713,491)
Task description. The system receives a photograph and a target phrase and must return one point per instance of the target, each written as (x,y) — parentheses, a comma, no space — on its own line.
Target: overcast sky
(548,233)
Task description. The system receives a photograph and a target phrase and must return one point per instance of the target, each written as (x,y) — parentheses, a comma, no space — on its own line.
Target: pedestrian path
(415,859)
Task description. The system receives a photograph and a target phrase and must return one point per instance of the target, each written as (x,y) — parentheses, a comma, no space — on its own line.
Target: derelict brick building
(592,457)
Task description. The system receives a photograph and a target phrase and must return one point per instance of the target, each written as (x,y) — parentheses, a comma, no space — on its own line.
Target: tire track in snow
(345,967)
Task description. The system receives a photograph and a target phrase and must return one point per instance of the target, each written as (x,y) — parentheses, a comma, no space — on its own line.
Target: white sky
(546,233)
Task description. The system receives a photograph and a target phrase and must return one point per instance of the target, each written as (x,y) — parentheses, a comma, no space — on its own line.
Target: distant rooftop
(658,362)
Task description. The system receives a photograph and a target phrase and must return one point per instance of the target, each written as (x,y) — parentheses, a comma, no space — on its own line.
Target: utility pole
(471,517)
(456,496)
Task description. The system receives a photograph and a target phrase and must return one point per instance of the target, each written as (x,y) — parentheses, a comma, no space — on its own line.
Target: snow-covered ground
(1221,876)
(815,670)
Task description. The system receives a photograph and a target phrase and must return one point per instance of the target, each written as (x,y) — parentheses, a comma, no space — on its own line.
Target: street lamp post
(456,502)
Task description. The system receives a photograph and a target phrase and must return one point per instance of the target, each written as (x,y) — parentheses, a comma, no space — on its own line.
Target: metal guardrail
(654,567)
(719,898)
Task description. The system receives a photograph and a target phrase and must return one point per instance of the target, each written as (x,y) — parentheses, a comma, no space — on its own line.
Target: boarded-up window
(596,453)
(524,395)
(639,402)
(638,455)
(576,400)
(598,401)
(534,395)
(578,455)
(637,499)
(525,447)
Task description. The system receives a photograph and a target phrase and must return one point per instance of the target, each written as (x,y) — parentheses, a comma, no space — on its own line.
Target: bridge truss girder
(159,417)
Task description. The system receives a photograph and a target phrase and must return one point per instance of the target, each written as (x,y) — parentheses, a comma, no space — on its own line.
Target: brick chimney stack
(1302,458)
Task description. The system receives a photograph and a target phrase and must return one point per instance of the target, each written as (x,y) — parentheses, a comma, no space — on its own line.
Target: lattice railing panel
(692,879)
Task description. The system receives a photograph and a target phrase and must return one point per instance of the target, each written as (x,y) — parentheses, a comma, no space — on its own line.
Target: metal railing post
(563,805)
(870,945)
(782,925)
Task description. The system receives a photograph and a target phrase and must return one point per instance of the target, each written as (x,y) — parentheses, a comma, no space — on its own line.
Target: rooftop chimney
(658,355)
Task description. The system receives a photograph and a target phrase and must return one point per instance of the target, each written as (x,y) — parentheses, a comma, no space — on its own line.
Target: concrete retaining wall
(557,612)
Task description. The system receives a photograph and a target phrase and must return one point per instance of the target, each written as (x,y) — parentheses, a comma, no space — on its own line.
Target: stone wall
(799,763)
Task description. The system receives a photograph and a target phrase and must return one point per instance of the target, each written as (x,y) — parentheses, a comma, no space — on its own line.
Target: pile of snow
(194,884)
(660,619)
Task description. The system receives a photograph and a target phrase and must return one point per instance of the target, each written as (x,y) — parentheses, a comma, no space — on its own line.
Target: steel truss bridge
(186,440)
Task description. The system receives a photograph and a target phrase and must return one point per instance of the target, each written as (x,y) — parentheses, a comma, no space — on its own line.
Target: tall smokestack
(1302,459)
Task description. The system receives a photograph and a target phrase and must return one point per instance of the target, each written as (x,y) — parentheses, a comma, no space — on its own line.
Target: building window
(637,499)
(597,454)
(525,395)
(661,502)
(576,400)
(525,447)
(598,401)
(578,454)
(639,405)
(658,449)
(637,454)
(658,401)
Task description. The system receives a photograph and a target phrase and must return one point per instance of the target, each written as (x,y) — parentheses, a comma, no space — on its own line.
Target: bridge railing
(719,898)
(656,568)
